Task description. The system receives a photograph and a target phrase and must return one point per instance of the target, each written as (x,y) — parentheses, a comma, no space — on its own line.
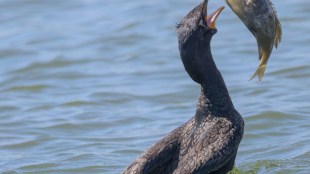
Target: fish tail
(260,72)
(263,56)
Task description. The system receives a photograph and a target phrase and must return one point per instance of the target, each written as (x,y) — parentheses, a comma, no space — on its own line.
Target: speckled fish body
(261,19)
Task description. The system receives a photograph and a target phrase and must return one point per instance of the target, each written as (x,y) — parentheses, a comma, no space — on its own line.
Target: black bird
(209,141)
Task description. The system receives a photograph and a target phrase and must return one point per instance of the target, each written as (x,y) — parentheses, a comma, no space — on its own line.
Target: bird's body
(209,141)
(206,143)
(261,19)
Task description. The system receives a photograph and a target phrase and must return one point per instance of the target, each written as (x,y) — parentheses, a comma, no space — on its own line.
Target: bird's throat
(214,96)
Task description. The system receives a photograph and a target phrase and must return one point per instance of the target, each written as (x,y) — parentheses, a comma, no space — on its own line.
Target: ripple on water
(36,88)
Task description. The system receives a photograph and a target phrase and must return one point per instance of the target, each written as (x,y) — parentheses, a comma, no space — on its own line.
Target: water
(87,85)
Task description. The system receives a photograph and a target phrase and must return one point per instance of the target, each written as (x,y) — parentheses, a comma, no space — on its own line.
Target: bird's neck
(214,97)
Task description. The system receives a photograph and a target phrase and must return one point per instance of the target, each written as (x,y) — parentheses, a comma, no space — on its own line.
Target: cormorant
(209,141)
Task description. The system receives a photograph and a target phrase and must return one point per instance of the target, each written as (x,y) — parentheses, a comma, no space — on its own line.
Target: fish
(260,17)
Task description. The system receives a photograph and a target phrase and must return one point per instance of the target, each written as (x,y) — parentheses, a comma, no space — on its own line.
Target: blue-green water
(88,85)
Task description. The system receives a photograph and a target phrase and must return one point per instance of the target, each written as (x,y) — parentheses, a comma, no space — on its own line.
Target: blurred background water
(87,85)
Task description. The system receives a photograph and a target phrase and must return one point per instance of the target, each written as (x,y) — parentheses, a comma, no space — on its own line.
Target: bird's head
(194,36)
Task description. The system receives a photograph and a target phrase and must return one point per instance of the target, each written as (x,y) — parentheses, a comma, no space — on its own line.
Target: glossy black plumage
(209,141)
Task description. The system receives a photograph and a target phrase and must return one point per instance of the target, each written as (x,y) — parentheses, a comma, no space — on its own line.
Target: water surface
(87,85)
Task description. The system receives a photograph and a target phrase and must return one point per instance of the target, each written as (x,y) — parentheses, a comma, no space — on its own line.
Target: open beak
(212,17)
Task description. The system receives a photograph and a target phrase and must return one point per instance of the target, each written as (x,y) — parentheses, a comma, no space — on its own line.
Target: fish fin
(278,37)
(278,34)
(260,72)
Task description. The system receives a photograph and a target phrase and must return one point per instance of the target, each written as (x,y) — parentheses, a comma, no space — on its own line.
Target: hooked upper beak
(212,17)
